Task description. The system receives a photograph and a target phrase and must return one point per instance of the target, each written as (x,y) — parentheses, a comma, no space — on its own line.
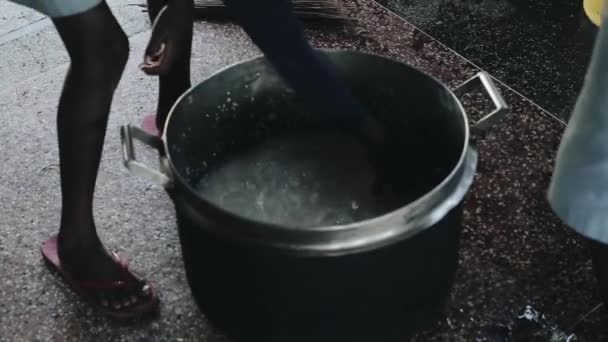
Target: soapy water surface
(310,179)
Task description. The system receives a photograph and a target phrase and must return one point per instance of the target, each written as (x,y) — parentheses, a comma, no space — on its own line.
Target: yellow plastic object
(593,8)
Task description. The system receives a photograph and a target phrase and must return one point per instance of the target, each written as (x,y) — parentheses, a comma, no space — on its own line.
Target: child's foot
(103,280)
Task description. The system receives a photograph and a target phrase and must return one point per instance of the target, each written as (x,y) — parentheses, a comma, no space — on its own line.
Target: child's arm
(275,29)
(169,33)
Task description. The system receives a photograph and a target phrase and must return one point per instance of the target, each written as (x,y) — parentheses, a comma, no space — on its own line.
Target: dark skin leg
(98,50)
(599,252)
(177,80)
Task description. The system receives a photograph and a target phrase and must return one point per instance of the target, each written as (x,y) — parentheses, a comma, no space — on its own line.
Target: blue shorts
(59,8)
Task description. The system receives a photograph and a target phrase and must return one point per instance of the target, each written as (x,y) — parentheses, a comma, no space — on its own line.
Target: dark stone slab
(541,48)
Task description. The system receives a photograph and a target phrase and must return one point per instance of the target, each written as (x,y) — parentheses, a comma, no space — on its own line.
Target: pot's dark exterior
(377,280)
(259,294)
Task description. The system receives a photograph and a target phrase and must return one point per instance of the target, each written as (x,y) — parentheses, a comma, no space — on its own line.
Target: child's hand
(169,33)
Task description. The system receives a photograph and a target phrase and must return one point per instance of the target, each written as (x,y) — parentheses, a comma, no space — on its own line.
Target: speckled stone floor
(515,254)
(541,48)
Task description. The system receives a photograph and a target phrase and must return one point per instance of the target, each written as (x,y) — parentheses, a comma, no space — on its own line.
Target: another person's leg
(177,81)
(599,253)
(98,50)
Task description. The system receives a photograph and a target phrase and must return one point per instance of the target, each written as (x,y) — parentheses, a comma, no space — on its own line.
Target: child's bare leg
(98,50)
(177,81)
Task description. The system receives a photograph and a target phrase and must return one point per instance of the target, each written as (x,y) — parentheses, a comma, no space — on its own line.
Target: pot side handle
(501,108)
(127,136)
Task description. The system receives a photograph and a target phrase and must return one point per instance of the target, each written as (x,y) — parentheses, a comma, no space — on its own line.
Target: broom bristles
(306,9)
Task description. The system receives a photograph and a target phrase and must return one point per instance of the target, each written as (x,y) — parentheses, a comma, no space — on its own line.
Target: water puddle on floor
(533,325)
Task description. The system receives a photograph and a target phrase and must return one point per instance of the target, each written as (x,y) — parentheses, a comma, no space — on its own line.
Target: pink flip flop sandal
(149,125)
(146,302)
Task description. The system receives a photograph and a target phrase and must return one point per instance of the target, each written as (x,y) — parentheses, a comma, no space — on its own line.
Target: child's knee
(102,63)
(121,50)
(116,57)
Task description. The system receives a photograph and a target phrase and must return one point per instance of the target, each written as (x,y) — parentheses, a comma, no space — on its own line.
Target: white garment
(579,188)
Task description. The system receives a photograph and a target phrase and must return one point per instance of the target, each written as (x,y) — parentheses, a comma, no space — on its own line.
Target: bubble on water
(260,200)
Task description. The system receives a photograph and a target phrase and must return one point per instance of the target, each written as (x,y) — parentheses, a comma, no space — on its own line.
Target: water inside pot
(308,179)
(218,131)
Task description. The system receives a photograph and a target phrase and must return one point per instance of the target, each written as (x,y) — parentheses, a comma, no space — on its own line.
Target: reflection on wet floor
(533,325)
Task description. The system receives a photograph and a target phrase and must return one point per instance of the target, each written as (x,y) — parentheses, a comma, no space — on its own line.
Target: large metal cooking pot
(377,280)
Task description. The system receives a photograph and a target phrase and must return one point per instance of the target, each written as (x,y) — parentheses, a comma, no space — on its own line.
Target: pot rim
(387,228)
